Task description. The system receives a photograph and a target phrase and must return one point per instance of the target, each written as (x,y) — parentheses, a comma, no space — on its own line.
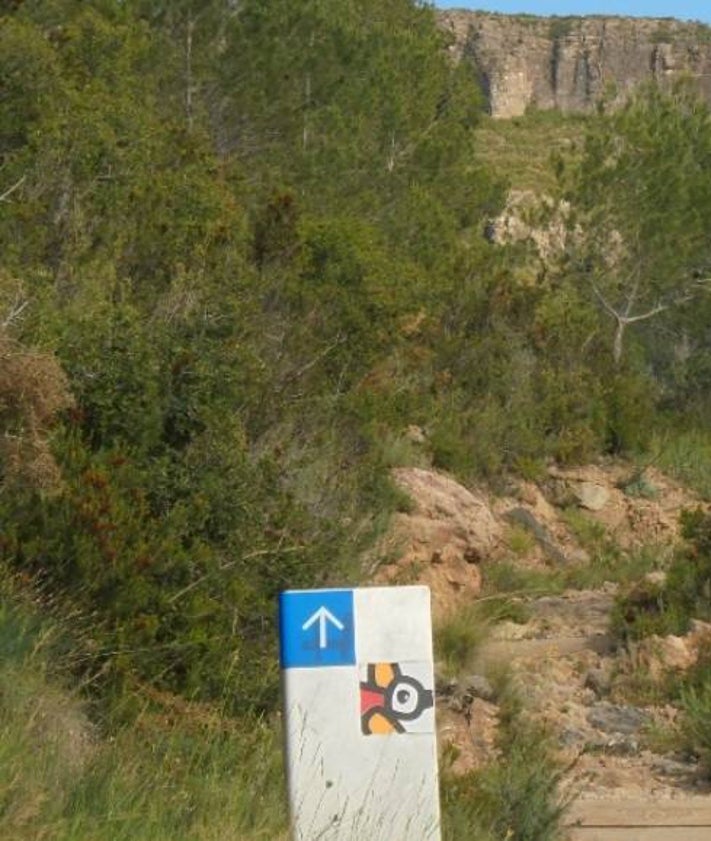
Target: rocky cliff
(570,63)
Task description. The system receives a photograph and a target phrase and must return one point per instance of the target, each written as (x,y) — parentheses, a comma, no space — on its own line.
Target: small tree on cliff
(642,194)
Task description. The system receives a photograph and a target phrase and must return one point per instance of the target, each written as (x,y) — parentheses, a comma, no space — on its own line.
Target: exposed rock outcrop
(442,540)
(571,63)
(450,534)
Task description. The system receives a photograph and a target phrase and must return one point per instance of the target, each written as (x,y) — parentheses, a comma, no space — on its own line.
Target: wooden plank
(640,833)
(682,812)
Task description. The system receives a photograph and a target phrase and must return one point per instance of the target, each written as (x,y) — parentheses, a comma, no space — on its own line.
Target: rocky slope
(452,537)
(615,734)
(570,63)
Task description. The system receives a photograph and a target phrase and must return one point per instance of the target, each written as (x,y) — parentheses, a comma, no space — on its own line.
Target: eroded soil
(617,737)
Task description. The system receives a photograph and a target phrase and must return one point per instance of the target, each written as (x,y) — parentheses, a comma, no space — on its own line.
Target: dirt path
(627,778)
(498,651)
(618,743)
(627,785)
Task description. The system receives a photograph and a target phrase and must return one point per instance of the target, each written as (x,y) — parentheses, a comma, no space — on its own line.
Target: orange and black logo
(390,699)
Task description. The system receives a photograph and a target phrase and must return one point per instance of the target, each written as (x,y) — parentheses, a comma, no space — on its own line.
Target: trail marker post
(358,686)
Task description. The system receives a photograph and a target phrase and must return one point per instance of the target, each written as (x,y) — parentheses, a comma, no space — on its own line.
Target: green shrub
(178,772)
(696,723)
(516,797)
(668,607)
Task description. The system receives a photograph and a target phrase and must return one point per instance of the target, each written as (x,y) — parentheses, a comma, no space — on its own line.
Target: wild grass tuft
(457,638)
(686,456)
(618,566)
(514,798)
(510,577)
(696,722)
(519,540)
(164,777)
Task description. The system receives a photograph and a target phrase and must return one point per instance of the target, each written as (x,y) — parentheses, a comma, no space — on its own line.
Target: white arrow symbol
(322,616)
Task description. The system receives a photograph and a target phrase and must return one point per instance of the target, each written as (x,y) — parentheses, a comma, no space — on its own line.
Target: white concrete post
(358,687)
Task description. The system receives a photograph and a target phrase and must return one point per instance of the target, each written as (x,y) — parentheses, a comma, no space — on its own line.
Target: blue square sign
(316,628)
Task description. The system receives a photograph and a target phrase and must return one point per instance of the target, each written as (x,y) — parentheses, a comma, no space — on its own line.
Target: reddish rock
(441,542)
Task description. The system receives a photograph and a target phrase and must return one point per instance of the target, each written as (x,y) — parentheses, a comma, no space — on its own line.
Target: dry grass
(521,151)
(179,773)
(33,390)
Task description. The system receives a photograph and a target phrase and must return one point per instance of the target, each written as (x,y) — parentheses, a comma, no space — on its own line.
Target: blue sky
(683,9)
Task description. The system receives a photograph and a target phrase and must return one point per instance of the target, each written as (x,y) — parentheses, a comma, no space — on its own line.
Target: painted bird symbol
(388,698)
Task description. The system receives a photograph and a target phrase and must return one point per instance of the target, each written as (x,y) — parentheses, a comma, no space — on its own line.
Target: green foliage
(359,100)
(176,558)
(515,797)
(177,773)
(685,453)
(696,722)
(668,607)
(643,247)
(232,326)
(243,246)
(631,399)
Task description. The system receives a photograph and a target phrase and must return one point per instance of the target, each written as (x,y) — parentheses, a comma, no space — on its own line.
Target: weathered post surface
(358,687)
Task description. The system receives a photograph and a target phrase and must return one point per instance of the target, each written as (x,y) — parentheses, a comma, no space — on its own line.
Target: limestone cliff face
(570,63)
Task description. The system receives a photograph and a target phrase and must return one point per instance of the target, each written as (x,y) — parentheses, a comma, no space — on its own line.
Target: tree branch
(632,296)
(631,319)
(11,190)
(601,298)
(15,312)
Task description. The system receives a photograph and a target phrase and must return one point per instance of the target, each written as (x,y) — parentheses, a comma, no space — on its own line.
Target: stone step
(497,651)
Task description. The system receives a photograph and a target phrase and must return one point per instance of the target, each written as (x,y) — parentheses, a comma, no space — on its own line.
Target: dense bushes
(223,282)
(242,252)
(248,246)
(515,797)
(668,606)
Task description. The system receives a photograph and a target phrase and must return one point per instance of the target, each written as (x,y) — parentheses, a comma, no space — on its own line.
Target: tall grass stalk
(696,721)
(192,777)
(686,455)
(514,798)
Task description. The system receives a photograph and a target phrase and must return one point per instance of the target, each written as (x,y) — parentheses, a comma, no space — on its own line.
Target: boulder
(441,541)
(592,496)
(659,656)
(617,719)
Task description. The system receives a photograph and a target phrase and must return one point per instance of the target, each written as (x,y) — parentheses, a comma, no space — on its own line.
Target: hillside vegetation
(242,252)
(520,151)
